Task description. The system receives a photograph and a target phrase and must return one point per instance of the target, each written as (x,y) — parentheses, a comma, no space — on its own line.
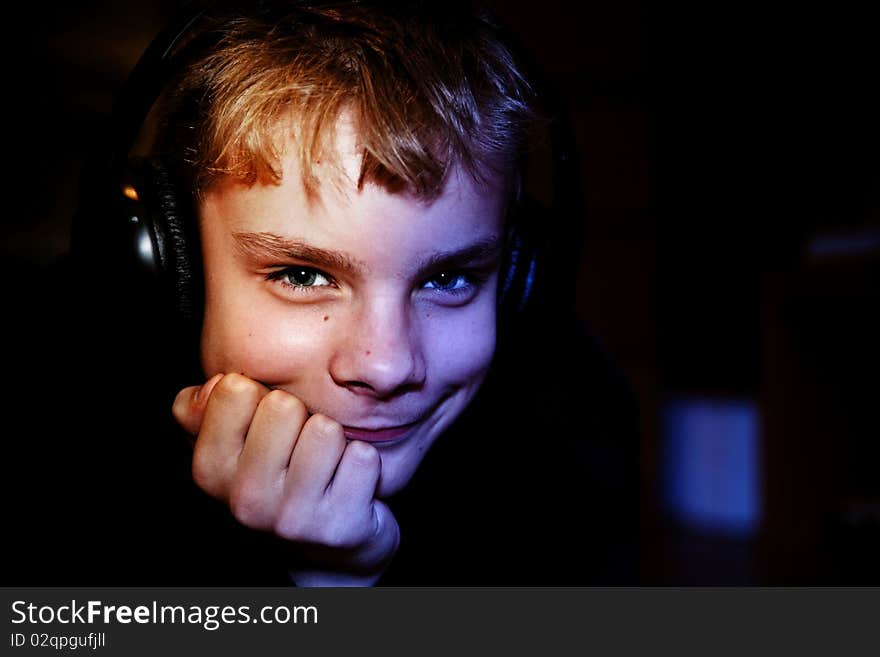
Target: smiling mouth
(379,435)
(388,434)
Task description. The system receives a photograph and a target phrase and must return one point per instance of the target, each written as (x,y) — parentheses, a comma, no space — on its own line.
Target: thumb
(190,403)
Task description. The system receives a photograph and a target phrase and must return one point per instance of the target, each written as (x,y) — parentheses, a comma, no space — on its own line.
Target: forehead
(368,222)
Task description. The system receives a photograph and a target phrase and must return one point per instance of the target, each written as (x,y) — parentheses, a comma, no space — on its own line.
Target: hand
(283,471)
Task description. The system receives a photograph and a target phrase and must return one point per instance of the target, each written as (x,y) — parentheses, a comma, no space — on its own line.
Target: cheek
(459,344)
(264,344)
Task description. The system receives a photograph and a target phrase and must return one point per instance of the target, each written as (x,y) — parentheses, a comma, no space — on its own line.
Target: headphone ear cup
(164,248)
(522,261)
(177,234)
(518,274)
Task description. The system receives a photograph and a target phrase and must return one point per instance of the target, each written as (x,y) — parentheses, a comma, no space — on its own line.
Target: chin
(395,476)
(401,462)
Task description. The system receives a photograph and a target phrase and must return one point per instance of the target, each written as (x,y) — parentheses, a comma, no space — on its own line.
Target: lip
(378,435)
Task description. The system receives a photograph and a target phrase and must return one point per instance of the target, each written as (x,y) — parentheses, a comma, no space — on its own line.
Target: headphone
(134,214)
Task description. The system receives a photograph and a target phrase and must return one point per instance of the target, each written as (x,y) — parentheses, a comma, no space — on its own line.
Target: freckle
(326,317)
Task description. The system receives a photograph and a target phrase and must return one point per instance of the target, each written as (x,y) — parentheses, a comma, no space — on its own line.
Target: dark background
(721,147)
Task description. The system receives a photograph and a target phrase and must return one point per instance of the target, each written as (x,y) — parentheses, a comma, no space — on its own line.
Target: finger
(189,405)
(354,484)
(225,423)
(318,449)
(386,531)
(262,466)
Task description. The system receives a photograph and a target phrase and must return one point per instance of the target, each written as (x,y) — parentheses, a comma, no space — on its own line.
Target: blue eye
(453,282)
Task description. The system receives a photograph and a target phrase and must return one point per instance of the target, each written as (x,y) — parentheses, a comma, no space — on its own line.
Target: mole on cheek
(326,317)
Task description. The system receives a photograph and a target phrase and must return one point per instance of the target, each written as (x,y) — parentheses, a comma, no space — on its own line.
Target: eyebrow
(482,252)
(269,246)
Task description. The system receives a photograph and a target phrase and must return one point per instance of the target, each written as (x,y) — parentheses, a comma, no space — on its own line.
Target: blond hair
(429,88)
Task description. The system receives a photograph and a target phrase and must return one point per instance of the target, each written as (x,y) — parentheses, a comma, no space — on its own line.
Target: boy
(352,260)
(354,169)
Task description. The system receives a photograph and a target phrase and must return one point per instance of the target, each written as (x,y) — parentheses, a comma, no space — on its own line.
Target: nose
(379,351)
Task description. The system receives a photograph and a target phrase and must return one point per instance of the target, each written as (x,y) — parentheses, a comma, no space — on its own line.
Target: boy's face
(373,308)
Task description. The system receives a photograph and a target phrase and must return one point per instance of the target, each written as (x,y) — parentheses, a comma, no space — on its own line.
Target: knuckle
(246,504)
(237,386)
(339,537)
(293,526)
(283,404)
(331,530)
(326,428)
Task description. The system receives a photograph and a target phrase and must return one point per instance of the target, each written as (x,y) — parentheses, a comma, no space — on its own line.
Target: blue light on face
(711,469)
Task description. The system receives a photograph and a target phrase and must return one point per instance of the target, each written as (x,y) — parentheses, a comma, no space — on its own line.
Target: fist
(284,471)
